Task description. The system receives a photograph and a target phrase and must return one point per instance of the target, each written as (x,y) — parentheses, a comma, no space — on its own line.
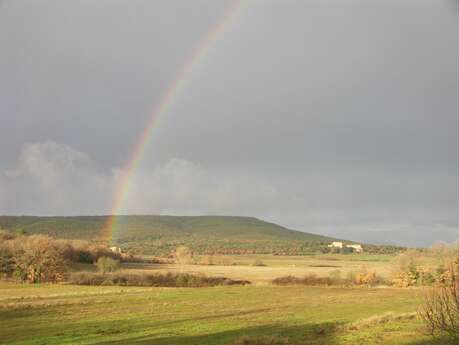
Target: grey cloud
(183,187)
(54,179)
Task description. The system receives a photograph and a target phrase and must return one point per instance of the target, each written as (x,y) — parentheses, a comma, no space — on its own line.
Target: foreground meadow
(66,314)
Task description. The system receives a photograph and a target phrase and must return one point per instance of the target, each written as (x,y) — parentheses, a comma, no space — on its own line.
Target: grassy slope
(57,314)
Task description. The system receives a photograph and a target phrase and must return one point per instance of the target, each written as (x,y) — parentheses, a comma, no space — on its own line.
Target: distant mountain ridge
(91,226)
(421,236)
(159,233)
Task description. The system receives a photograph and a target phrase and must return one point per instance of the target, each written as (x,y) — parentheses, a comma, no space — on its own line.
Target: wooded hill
(159,235)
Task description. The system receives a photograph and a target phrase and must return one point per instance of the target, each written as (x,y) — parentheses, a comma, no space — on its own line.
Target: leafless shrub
(155,279)
(287,280)
(310,279)
(440,310)
(362,278)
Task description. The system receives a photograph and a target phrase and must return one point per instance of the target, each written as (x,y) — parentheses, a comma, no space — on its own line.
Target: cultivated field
(66,314)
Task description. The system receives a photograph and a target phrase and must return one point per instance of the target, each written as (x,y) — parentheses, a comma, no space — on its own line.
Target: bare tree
(440,311)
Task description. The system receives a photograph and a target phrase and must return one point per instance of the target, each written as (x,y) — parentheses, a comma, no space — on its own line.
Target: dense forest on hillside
(159,235)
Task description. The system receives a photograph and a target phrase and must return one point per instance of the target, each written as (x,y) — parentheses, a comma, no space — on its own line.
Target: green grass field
(65,314)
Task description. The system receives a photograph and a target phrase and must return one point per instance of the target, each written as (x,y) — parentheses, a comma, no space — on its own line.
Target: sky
(334,117)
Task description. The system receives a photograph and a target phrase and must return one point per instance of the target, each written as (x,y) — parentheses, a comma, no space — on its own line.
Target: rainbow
(109,232)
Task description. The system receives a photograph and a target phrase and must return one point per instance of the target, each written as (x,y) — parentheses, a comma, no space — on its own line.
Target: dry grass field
(262,269)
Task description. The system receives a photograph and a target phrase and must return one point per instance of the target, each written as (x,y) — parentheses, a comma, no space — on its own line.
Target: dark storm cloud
(329,116)
(455,4)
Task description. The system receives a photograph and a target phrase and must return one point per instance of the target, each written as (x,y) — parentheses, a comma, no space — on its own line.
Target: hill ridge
(162,233)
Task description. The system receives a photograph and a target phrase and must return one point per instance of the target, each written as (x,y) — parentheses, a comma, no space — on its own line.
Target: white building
(356,247)
(336,245)
(116,250)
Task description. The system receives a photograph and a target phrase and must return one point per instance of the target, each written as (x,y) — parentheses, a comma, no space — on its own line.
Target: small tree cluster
(40,258)
(83,251)
(31,258)
(407,270)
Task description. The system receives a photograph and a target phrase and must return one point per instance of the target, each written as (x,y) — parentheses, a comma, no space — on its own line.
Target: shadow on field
(310,334)
(436,341)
